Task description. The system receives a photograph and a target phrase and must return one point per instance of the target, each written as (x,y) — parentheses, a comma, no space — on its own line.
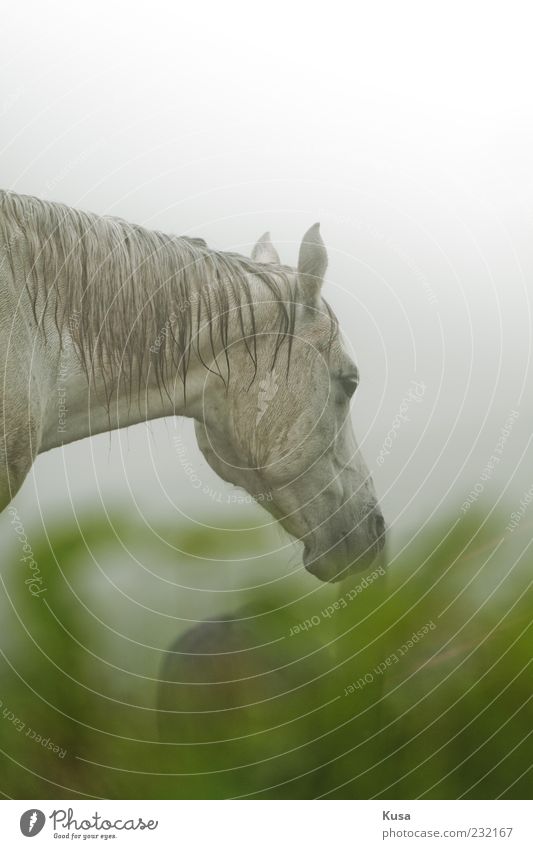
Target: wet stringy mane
(132,298)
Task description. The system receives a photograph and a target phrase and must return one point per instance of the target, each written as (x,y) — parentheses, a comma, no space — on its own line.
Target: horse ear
(264,250)
(312,264)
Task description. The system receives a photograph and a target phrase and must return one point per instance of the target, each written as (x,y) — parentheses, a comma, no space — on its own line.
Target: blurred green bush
(417,684)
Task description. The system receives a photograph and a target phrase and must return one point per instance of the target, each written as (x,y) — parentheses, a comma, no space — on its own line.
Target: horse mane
(132,298)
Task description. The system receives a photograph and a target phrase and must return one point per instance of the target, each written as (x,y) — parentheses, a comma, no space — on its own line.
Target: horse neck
(84,402)
(101,290)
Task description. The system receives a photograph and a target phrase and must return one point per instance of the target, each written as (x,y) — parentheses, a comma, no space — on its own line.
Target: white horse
(104,324)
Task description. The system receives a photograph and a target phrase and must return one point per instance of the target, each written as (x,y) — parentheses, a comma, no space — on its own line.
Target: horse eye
(349,384)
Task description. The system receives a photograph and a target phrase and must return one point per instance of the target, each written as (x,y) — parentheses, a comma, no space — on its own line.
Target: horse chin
(331,571)
(325,572)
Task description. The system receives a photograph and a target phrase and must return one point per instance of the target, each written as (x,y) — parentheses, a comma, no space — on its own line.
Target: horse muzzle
(354,551)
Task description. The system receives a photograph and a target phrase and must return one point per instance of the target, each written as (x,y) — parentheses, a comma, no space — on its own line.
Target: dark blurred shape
(221,668)
(236,698)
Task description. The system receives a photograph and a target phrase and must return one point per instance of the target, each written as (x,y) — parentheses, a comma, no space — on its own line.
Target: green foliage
(415,685)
